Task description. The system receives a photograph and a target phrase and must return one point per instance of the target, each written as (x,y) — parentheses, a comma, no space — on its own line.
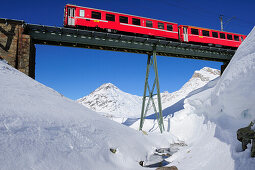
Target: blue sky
(76,72)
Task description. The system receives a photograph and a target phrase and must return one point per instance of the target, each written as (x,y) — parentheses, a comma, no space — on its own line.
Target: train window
(136,21)
(160,25)
(148,23)
(236,38)
(222,35)
(123,19)
(241,38)
(96,15)
(169,27)
(82,13)
(215,34)
(110,17)
(194,31)
(229,37)
(205,33)
(71,12)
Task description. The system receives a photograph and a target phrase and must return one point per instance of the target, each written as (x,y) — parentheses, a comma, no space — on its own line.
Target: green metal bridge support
(152,60)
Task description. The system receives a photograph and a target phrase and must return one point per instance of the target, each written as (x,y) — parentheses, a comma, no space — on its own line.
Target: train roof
(211,29)
(120,13)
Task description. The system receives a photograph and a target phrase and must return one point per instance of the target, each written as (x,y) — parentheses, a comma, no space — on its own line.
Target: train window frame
(215,34)
(242,38)
(169,27)
(136,21)
(196,31)
(222,35)
(110,17)
(96,15)
(206,33)
(229,36)
(148,23)
(82,13)
(161,25)
(236,38)
(71,13)
(123,19)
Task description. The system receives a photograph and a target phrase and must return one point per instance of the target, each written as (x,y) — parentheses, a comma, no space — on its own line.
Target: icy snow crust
(40,129)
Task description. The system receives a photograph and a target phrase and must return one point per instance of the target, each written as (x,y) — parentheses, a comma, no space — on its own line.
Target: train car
(77,16)
(208,36)
(102,20)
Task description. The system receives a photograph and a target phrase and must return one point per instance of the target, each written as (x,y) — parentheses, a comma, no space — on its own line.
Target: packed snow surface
(41,129)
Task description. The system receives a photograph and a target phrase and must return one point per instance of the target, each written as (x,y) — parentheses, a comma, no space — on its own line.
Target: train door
(185,34)
(71,14)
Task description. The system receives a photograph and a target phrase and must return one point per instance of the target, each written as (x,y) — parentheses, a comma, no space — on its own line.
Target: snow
(205,114)
(110,101)
(42,129)
(212,115)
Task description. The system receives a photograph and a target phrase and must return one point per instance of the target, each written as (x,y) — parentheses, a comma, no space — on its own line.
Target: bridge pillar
(16,47)
(223,67)
(152,60)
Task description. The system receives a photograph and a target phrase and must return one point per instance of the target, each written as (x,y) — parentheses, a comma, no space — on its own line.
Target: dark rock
(113,150)
(245,135)
(253,148)
(167,168)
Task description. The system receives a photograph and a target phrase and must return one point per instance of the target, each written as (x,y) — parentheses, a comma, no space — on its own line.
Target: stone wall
(16,47)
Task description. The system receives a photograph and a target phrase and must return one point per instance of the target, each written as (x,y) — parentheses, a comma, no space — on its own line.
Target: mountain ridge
(113,102)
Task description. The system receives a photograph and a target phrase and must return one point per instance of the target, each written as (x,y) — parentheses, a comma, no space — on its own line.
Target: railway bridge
(18,39)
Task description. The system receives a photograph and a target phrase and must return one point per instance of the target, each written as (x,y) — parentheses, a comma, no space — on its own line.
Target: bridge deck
(108,41)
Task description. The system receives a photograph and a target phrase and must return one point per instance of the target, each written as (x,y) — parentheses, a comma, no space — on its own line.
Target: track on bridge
(62,36)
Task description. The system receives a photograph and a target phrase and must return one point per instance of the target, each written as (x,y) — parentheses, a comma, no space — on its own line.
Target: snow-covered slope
(111,100)
(41,129)
(198,80)
(211,116)
(115,103)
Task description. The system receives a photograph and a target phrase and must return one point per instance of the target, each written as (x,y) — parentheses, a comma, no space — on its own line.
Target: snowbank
(41,129)
(212,115)
(234,94)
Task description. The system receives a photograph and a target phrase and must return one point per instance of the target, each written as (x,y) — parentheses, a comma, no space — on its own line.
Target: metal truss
(71,37)
(152,61)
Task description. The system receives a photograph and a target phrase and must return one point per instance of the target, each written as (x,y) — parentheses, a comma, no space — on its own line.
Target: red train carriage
(209,36)
(77,16)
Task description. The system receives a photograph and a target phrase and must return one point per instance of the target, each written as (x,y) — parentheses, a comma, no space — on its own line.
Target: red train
(102,20)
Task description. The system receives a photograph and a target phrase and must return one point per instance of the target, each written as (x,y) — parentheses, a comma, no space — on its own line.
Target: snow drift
(41,129)
(213,113)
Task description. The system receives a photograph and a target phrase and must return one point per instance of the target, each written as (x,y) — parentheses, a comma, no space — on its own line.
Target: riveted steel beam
(126,43)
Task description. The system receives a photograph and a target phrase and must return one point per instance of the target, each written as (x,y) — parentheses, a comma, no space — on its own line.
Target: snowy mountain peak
(107,86)
(206,74)
(110,99)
